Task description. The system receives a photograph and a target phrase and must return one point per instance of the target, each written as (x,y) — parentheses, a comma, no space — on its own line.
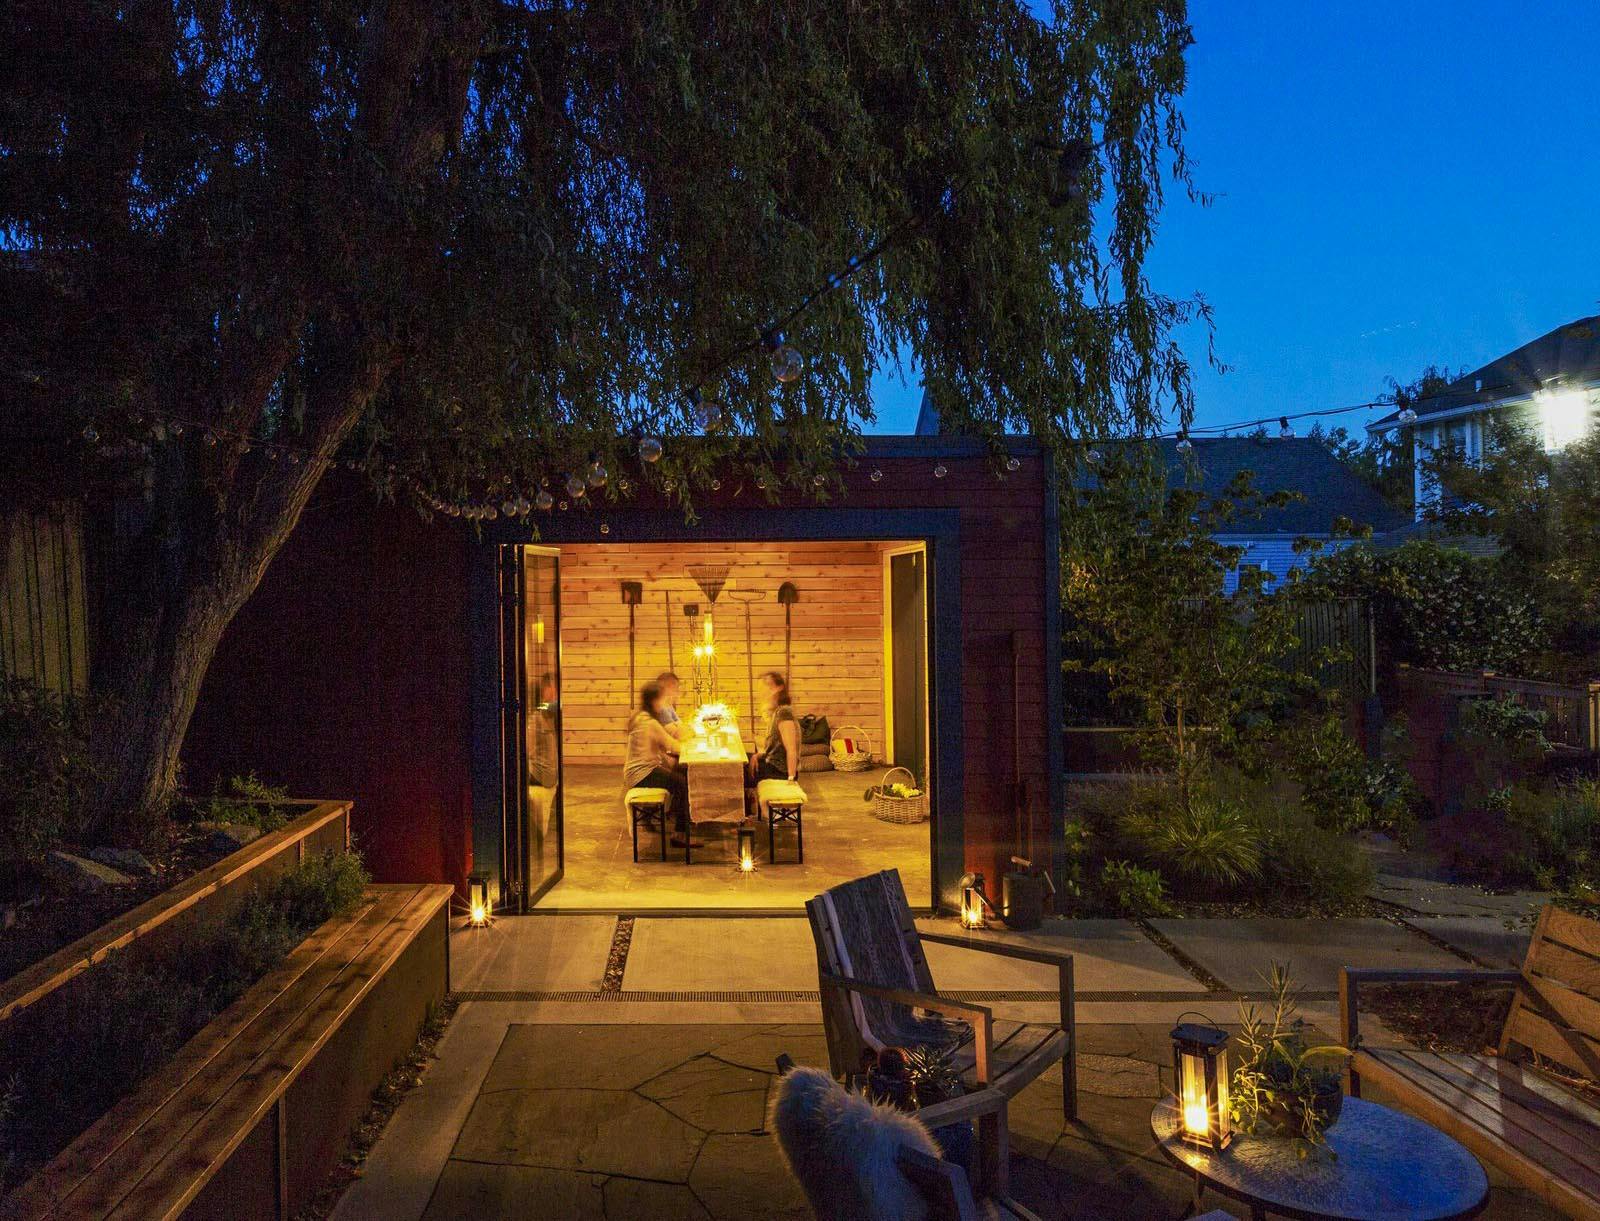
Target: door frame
(938,529)
(531,898)
(888,553)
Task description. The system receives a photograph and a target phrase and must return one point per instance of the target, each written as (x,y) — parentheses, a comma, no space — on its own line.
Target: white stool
(648,803)
(783,801)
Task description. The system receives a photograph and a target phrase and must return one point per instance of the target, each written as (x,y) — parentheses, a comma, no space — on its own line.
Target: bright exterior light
(479,915)
(973,901)
(1565,416)
(479,910)
(1200,1065)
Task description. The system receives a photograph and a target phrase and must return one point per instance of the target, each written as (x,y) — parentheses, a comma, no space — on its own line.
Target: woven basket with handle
(850,749)
(889,808)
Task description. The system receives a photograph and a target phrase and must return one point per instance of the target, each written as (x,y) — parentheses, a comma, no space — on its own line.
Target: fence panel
(43,608)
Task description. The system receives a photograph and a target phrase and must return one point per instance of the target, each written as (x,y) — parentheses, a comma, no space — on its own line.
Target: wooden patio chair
(877,992)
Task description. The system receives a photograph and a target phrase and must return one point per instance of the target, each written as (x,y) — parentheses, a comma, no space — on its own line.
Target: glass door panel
(541,729)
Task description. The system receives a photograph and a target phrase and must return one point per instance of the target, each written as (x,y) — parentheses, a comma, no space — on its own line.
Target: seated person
(668,716)
(779,757)
(652,755)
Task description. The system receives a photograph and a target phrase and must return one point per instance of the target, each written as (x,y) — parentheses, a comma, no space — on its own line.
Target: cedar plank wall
(838,632)
(347,674)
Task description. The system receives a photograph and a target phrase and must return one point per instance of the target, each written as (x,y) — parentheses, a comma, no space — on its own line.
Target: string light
(650,449)
(597,473)
(1284,430)
(1184,444)
(940,471)
(1013,463)
(575,486)
(1407,416)
(544,502)
(787,364)
(877,475)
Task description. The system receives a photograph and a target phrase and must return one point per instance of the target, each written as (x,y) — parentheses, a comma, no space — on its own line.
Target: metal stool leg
(661,822)
(633,819)
(800,835)
(772,848)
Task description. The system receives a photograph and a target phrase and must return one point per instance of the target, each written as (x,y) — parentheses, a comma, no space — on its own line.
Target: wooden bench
(1503,1107)
(252,1113)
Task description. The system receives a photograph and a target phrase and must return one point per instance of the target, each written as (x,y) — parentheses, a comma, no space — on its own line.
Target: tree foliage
(467,245)
(1145,597)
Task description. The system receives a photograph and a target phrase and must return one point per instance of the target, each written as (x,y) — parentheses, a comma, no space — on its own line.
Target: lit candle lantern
(1200,1065)
(747,850)
(973,901)
(479,909)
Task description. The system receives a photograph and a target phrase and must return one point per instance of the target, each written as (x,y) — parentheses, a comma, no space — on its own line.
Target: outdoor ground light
(479,912)
(973,901)
(1200,1065)
(747,849)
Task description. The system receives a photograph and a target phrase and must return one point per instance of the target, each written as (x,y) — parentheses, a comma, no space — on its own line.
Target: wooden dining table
(715,761)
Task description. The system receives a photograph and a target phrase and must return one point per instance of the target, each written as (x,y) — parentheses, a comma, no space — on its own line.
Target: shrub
(1557,833)
(45,771)
(246,800)
(1214,844)
(1134,891)
(1344,790)
(1307,861)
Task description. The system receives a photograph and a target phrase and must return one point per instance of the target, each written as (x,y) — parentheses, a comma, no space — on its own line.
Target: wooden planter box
(254,1111)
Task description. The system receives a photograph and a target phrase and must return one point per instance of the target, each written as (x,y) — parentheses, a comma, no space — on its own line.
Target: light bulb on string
(1284,430)
(650,449)
(211,439)
(761,482)
(819,479)
(707,412)
(1095,457)
(605,527)
(1013,463)
(716,485)
(940,471)
(544,502)
(1407,416)
(575,486)
(509,508)
(877,475)
(787,364)
(1185,445)
(624,486)
(597,472)
(91,434)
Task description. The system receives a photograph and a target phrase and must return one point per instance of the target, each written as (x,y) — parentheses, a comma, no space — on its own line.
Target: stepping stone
(612,1057)
(1117,1076)
(658,1201)
(228,837)
(472,1189)
(600,1131)
(124,860)
(744,1176)
(760,1050)
(713,1096)
(81,874)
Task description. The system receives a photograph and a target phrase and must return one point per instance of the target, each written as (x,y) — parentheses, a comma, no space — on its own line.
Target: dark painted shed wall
(348,672)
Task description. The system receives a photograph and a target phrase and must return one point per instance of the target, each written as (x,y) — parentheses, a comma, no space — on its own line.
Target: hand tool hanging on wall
(632,596)
(745,597)
(666,598)
(788,595)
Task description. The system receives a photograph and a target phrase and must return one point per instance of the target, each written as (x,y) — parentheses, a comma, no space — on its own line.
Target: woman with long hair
(779,757)
(652,755)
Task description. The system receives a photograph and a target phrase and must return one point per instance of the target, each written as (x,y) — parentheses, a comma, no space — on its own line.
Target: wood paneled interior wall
(838,641)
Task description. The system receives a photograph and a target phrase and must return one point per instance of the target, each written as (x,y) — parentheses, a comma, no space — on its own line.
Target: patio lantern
(1200,1066)
(973,901)
(747,849)
(479,909)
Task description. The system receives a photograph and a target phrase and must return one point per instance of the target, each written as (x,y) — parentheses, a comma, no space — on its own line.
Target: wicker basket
(850,760)
(889,808)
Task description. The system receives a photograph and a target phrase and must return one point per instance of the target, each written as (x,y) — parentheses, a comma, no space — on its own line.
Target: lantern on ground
(747,850)
(1200,1066)
(973,901)
(479,910)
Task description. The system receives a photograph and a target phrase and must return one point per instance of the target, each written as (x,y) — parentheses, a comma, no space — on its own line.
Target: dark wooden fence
(1572,710)
(44,633)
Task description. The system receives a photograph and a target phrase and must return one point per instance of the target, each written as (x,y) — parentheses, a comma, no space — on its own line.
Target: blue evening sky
(1398,183)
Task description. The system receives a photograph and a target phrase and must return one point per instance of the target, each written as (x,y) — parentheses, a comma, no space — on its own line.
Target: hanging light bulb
(1013,463)
(761,482)
(605,527)
(716,485)
(1184,444)
(707,412)
(940,471)
(1407,416)
(509,508)
(91,434)
(597,473)
(819,480)
(877,475)
(576,486)
(562,505)
(786,362)
(544,502)
(211,438)
(650,449)
(624,486)
(1284,430)
(177,428)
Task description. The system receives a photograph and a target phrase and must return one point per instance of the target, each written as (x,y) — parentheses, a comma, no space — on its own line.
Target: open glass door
(530,706)
(908,660)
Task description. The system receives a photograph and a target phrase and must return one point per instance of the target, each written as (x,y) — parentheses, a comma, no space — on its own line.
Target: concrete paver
(691,954)
(1241,952)
(1428,897)
(1107,956)
(532,953)
(1486,938)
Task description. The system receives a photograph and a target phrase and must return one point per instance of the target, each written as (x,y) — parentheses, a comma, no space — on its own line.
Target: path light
(1200,1066)
(479,913)
(747,849)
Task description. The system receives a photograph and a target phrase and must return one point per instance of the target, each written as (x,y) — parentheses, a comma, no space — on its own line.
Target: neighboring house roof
(1570,353)
(1328,487)
(1480,545)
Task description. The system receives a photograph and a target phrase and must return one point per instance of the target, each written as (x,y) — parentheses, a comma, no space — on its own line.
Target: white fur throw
(843,1149)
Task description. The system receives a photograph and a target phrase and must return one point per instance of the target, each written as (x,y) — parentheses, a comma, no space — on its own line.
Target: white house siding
(1275,553)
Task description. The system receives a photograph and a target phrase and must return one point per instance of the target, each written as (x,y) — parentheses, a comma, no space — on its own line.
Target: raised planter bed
(249,1115)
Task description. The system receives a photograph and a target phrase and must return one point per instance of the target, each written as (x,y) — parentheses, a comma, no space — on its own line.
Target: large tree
(468,243)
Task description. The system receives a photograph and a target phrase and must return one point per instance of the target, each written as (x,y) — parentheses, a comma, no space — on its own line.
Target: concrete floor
(843,841)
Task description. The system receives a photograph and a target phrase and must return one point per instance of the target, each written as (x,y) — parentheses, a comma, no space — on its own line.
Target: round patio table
(1389,1167)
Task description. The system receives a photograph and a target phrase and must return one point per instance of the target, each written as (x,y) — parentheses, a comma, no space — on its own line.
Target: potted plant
(1284,1085)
